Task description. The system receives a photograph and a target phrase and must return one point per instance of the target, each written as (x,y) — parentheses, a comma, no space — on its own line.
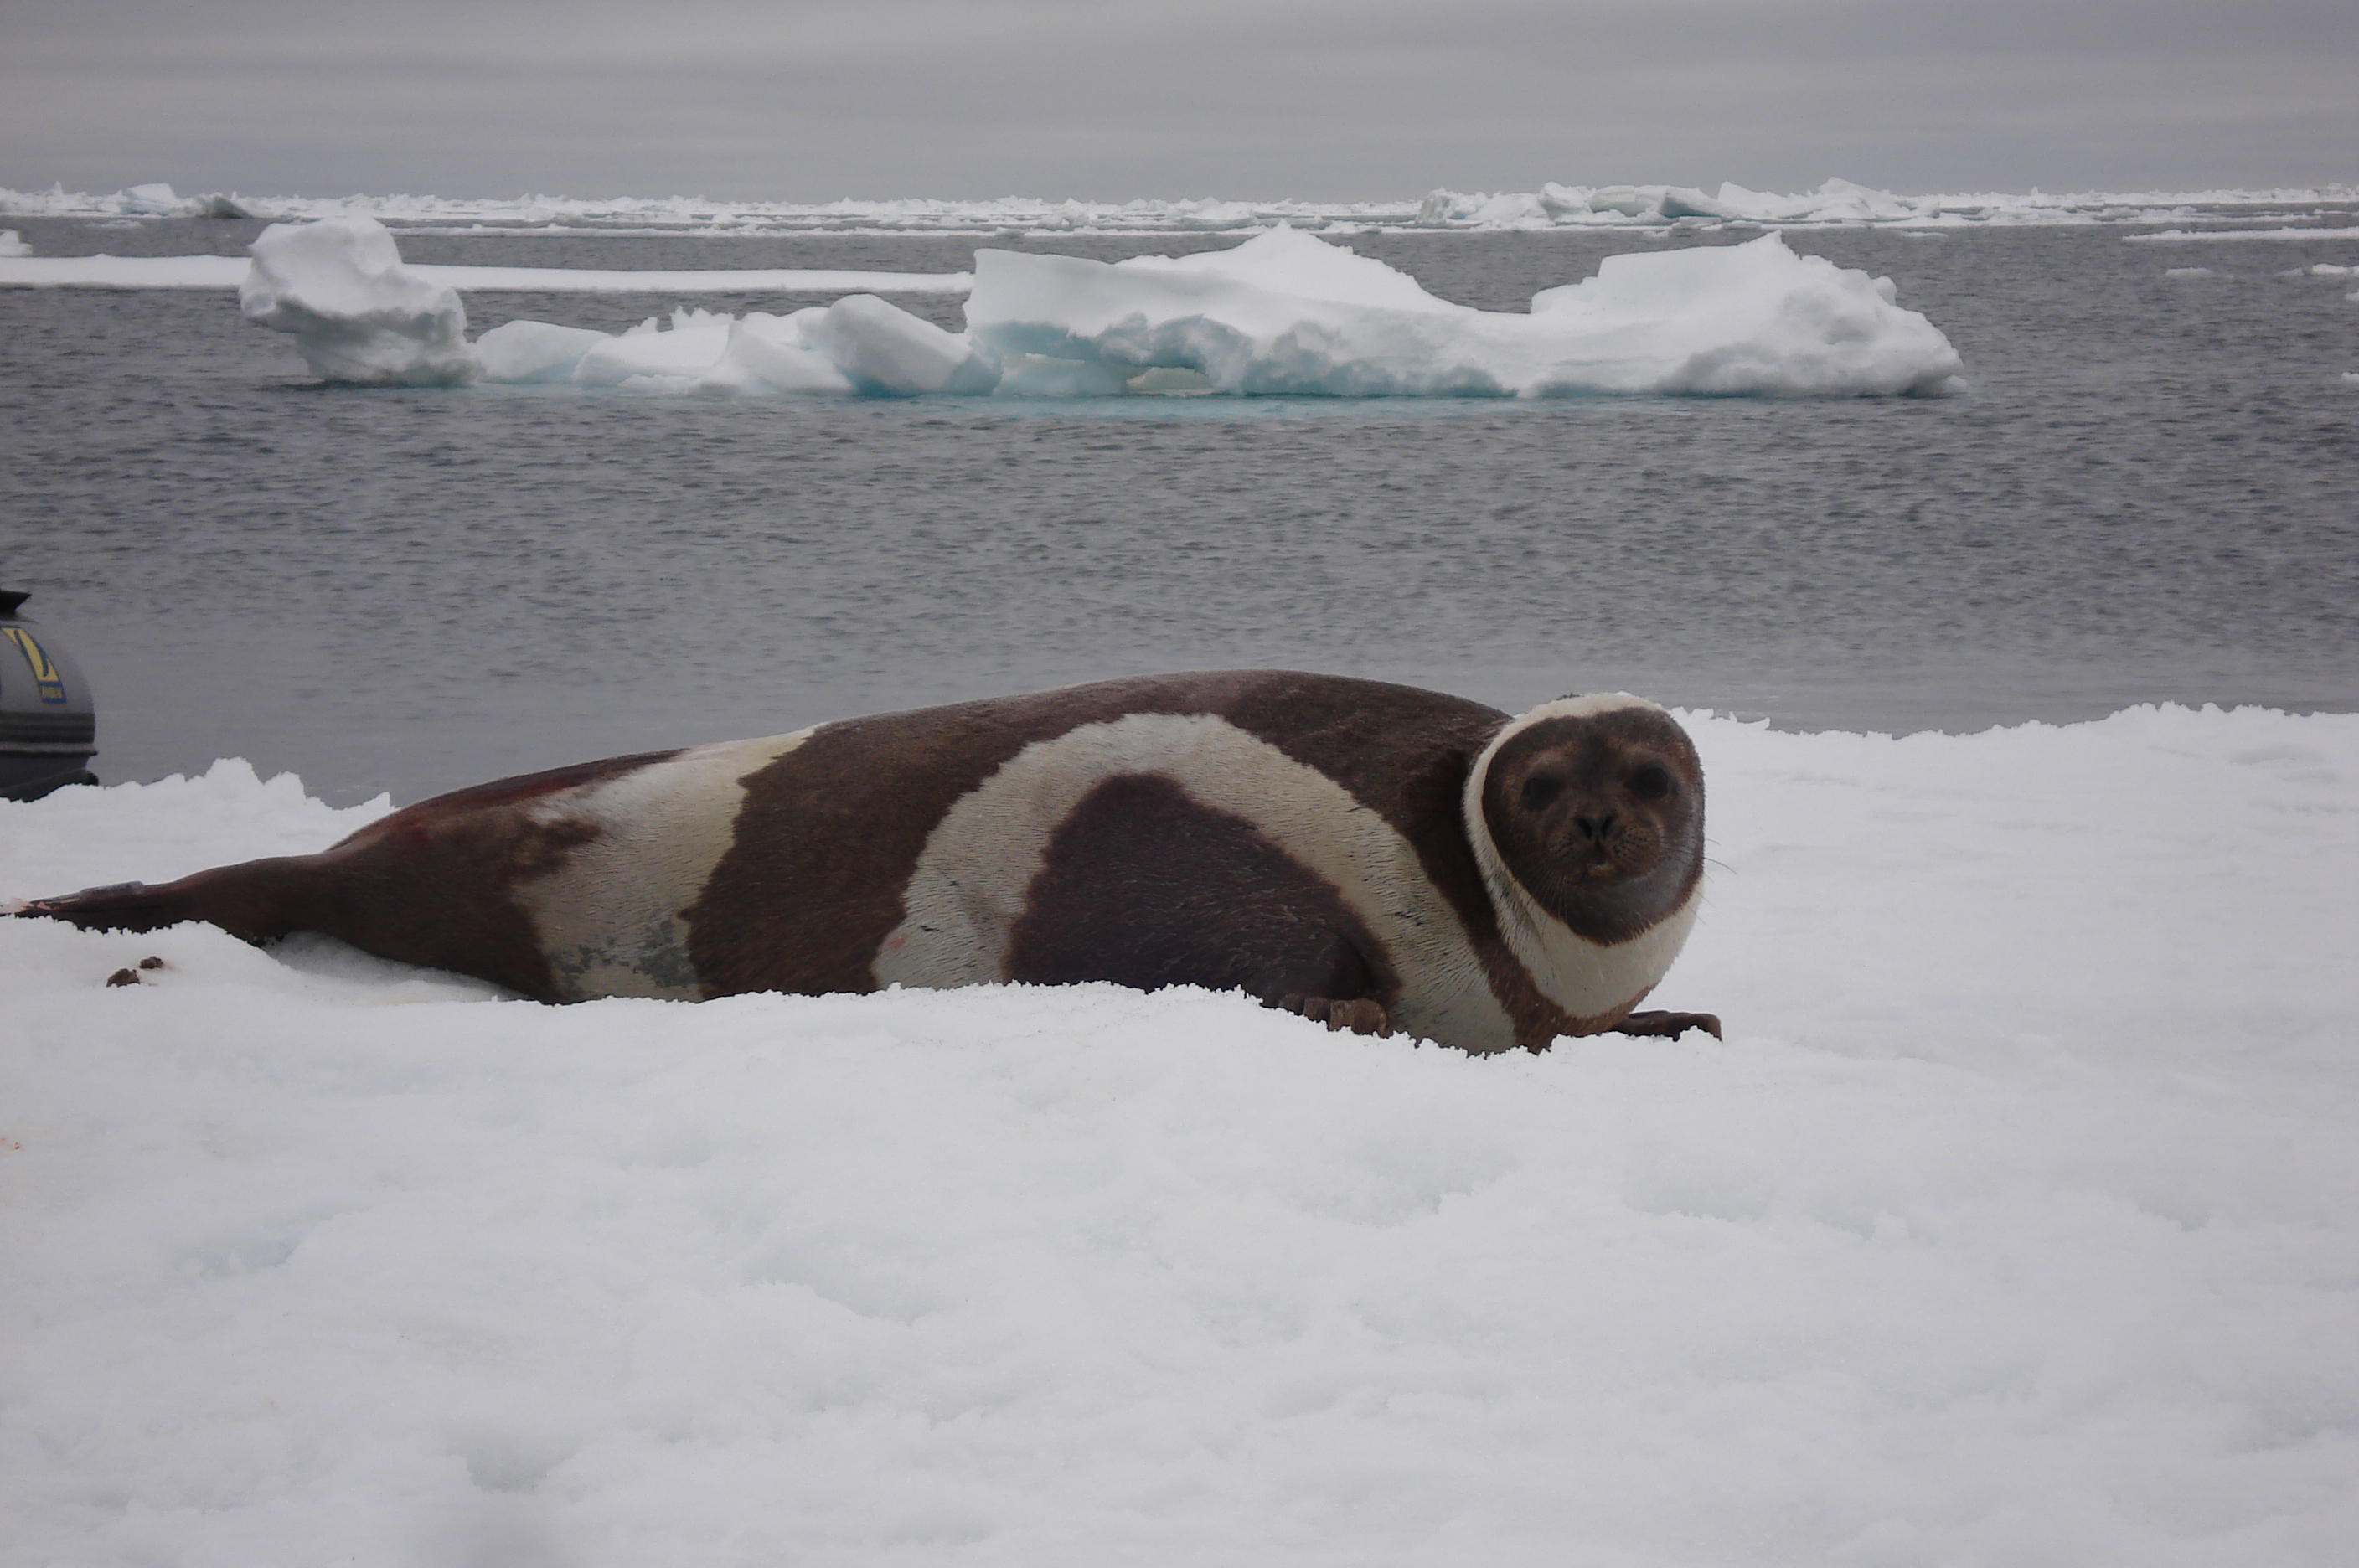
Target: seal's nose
(1596,828)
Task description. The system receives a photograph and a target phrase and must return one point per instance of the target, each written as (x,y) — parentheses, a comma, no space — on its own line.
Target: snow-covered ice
(1835,201)
(859,344)
(1284,313)
(523,352)
(2016,1222)
(229,271)
(26,270)
(150,201)
(2173,236)
(1553,205)
(884,349)
(356,314)
(12,246)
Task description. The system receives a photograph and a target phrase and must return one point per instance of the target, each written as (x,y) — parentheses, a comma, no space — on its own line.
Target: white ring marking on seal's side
(981,859)
(1587,979)
(609,917)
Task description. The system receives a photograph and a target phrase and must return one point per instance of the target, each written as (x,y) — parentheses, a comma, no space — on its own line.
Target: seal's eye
(1651,782)
(1540,790)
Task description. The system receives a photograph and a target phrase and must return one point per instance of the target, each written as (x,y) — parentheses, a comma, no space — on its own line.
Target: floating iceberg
(1288,313)
(881,348)
(860,345)
(149,200)
(355,312)
(1283,313)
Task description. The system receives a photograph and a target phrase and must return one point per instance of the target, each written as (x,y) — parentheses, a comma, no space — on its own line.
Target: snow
(1288,313)
(2188,272)
(2017,1221)
(356,314)
(1553,205)
(1281,261)
(13,246)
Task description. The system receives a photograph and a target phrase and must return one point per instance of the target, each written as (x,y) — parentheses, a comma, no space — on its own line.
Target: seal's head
(1592,807)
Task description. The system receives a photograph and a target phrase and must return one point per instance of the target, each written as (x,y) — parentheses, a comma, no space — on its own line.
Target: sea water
(2148,495)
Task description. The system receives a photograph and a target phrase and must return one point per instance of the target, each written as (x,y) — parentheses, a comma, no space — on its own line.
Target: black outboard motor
(48,730)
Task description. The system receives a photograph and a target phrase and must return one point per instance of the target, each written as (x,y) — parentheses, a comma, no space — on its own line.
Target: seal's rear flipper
(1670,1025)
(248,902)
(120,905)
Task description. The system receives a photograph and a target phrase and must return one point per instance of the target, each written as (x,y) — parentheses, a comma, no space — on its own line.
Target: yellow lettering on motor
(47,681)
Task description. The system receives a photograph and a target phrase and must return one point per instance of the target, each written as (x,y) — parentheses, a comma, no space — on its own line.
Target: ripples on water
(2147,496)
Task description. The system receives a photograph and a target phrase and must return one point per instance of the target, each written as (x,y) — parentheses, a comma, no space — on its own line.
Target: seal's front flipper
(1360,1015)
(1669,1026)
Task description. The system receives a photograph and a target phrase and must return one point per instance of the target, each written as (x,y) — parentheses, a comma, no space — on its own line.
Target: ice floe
(1835,201)
(1288,313)
(22,269)
(2322,232)
(1283,313)
(1553,205)
(2013,1223)
(339,289)
(26,270)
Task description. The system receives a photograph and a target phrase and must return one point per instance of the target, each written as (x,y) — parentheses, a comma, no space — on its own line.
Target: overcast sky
(1320,99)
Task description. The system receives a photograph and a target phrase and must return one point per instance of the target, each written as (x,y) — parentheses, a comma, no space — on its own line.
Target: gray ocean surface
(2149,495)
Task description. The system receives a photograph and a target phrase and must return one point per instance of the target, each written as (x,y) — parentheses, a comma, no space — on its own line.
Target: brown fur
(433,885)
(1147,887)
(1143,885)
(885,782)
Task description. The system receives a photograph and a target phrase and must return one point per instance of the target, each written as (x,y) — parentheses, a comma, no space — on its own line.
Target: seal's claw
(1669,1026)
(1361,1016)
